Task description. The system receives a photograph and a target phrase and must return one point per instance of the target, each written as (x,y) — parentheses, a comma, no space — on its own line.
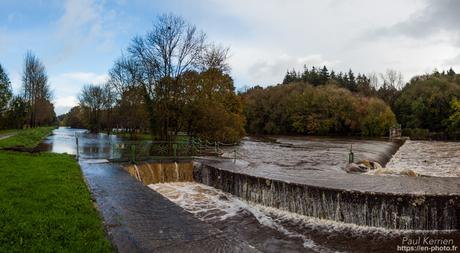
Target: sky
(78,40)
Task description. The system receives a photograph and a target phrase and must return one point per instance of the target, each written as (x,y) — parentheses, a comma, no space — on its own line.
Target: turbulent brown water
(429,158)
(273,230)
(309,153)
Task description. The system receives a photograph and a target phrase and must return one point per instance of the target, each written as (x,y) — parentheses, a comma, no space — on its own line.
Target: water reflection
(91,146)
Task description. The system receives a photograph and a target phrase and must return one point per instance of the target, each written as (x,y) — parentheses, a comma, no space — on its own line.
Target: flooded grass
(46,206)
(26,137)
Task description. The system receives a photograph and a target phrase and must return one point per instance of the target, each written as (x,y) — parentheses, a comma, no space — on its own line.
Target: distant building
(395,131)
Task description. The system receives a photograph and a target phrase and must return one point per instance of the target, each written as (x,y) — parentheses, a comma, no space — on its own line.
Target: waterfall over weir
(375,209)
(153,173)
(394,203)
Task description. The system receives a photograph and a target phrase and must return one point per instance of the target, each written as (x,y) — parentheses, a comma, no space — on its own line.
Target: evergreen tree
(351,83)
(5,90)
(333,76)
(324,75)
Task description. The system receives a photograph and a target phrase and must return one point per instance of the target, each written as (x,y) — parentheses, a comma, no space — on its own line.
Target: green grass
(28,138)
(46,207)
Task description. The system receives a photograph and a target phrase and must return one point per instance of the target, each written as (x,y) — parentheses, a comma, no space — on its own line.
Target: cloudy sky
(79,39)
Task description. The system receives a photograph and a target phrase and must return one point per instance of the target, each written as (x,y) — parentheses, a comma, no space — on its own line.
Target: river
(269,229)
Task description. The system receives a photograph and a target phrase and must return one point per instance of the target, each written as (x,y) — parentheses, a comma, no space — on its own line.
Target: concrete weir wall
(376,209)
(160,172)
(386,202)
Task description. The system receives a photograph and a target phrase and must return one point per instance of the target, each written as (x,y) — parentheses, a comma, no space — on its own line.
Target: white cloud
(84,77)
(270,69)
(66,87)
(85,22)
(64,104)
(274,36)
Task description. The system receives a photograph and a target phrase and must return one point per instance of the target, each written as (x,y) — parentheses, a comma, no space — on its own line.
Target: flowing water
(274,230)
(312,153)
(428,158)
(270,229)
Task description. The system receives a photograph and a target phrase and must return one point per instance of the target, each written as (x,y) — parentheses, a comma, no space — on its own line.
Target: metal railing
(132,151)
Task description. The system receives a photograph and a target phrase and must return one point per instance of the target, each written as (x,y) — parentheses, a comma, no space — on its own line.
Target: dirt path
(4,136)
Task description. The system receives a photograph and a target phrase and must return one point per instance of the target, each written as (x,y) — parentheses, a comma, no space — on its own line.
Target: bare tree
(373,80)
(215,57)
(393,79)
(125,75)
(36,89)
(92,100)
(172,48)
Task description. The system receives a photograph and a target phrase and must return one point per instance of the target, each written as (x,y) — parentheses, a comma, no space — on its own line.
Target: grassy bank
(28,138)
(46,206)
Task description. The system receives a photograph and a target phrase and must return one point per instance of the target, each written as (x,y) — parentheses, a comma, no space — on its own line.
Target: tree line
(32,107)
(319,101)
(301,108)
(169,81)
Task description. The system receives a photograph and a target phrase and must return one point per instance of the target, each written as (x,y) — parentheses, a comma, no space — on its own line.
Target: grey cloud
(454,61)
(263,72)
(438,16)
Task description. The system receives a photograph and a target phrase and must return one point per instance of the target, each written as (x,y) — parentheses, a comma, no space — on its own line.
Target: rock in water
(376,165)
(366,163)
(356,168)
(383,171)
(409,173)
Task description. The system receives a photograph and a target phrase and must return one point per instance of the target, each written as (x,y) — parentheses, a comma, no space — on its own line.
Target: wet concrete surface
(346,182)
(140,220)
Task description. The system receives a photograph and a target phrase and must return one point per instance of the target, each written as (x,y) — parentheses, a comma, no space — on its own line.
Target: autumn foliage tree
(300,108)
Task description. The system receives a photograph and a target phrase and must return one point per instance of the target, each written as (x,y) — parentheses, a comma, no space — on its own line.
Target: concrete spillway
(386,202)
(395,207)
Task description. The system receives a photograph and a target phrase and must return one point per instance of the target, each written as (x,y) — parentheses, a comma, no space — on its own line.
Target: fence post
(133,153)
(351,157)
(175,151)
(78,152)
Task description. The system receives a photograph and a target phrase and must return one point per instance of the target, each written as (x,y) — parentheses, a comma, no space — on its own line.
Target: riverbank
(27,138)
(46,206)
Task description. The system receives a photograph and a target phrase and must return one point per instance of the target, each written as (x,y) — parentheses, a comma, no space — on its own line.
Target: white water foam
(210,204)
(427,158)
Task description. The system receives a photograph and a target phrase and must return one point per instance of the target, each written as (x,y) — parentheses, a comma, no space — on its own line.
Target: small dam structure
(153,173)
(385,202)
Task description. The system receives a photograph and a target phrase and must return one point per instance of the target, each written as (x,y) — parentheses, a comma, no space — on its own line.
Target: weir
(386,202)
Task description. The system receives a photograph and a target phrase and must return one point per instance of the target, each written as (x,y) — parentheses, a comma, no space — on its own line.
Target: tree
(213,111)
(324,75)
(91,102)
(36,90)
(132,111)
(172,48)
(454,117)
(16,115)
(5,90)
(378,118)
(74,118)
(215,57)
(426,103)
